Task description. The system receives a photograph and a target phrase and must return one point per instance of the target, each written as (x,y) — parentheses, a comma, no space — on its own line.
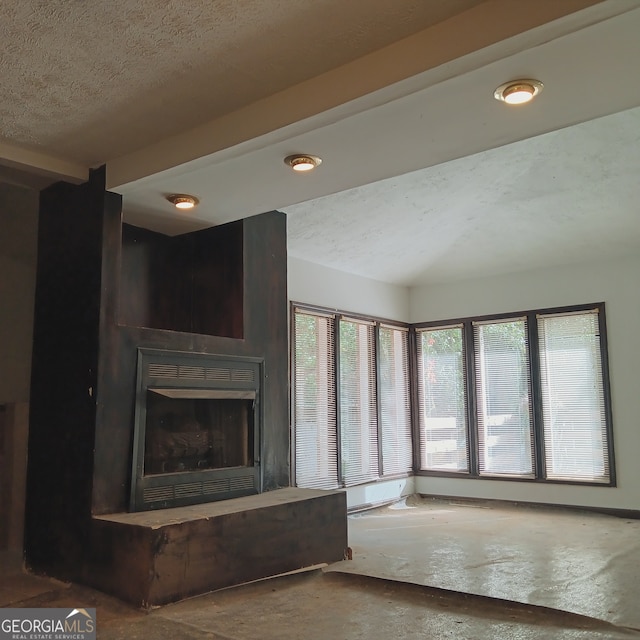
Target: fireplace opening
(191,434)
(197,429)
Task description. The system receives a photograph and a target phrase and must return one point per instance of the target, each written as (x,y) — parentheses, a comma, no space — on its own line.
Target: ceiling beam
(340,92)
(36,169)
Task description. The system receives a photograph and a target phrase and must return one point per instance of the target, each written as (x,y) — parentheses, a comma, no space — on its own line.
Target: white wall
(379,493)
(18,242)
(615,283)
(314,284)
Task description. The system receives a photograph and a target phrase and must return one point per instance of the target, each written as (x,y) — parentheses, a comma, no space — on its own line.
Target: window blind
(316,442)
(395,403)
(442,400)
(503,391)
(357,402)
(573,406)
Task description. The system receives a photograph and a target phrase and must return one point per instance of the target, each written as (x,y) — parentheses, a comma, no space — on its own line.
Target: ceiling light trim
(183,201)
(303,162)
(517,92)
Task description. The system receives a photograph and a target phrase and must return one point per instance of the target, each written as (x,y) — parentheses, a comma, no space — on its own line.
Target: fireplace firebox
(197,429)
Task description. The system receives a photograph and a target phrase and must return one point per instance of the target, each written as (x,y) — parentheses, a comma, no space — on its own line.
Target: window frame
(536,391)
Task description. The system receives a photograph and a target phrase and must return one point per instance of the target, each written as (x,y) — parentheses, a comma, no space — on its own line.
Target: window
(314,407)
(573,398)
(442,399)
(518,396)
(505,428)
(358,402)
(395,400)
(523,396)
(351,399)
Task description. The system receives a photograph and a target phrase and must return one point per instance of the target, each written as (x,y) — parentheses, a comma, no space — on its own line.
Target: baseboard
(367,506)
(629,514)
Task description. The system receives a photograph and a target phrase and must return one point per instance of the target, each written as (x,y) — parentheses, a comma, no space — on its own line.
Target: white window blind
(395,403)
(357,402)
(316,444)
(505,433)
(442,400)
(575,426)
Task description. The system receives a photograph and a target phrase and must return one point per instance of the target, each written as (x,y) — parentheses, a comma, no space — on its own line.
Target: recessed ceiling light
(183,200)
(302,162)
(518,91)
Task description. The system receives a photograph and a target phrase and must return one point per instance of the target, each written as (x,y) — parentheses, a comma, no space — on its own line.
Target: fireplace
(129,322)
(197,429)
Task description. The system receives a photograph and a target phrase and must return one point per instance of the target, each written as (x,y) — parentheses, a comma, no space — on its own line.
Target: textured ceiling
(564,197)
(90,80)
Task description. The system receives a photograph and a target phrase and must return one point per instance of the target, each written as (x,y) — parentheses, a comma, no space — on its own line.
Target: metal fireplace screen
(197,429)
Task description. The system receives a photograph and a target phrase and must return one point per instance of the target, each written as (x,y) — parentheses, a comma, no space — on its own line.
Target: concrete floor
(420,569)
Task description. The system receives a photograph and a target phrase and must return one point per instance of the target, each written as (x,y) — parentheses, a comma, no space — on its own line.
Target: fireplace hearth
(197,429)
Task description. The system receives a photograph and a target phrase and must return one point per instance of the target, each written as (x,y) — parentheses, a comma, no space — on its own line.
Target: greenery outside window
(503,388)
(394,400)
(357,400)
(574,402)
(314,408)
(442,399)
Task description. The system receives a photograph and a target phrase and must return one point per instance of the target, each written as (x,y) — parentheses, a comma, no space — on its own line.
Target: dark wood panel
(217,284)
(116,369)
(63,382)
(120,560)
(134,300)
(267,331)
(155,280)
(191,283)
(168,558)
(171,275)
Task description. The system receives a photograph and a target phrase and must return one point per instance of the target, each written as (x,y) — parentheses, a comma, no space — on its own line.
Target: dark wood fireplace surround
(104,291)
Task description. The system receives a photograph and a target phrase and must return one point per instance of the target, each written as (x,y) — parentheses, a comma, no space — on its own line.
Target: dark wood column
(266,327)
(64,375)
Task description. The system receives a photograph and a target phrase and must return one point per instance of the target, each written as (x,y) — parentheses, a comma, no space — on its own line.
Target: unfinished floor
(420,568)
